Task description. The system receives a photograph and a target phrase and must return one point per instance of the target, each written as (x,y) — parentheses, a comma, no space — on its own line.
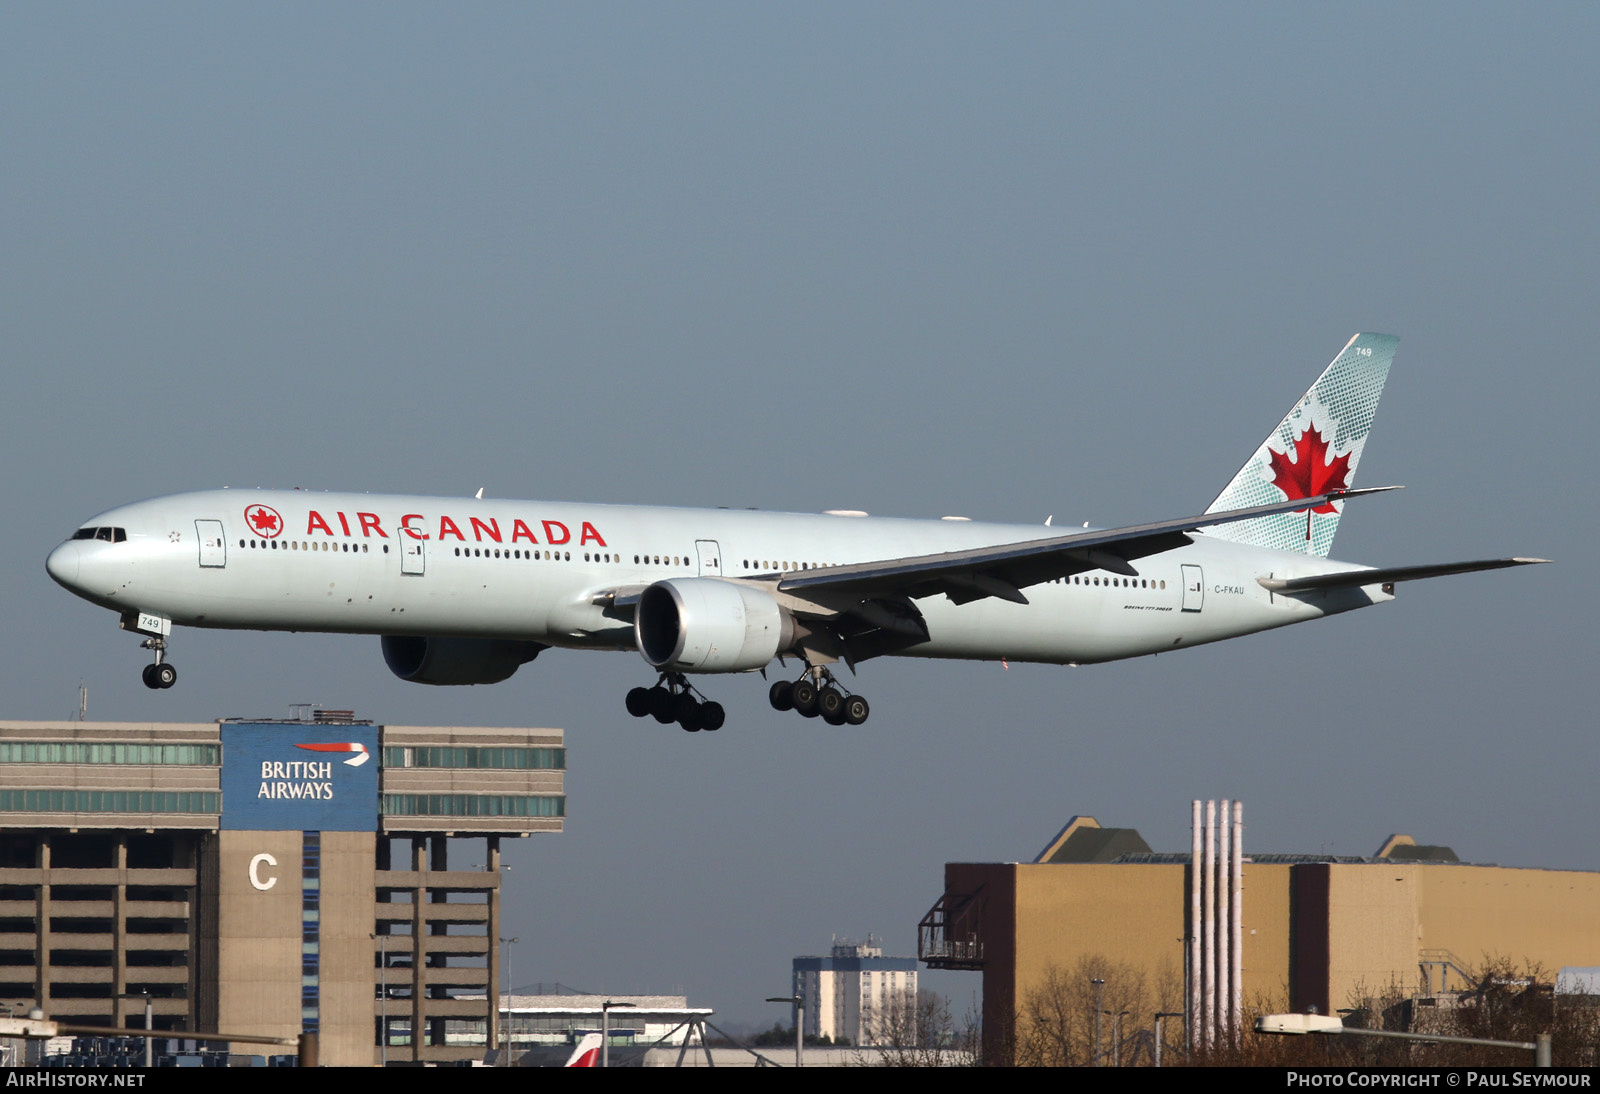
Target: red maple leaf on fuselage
(263,520)
(1311,472)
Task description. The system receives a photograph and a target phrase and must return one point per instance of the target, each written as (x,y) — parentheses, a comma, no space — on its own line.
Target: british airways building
(269,877)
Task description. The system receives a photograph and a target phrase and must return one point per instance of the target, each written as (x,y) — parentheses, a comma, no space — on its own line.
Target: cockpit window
(110,535)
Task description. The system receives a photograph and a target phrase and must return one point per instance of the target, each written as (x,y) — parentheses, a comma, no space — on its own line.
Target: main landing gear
(818,694)
(672,700)
(162,674)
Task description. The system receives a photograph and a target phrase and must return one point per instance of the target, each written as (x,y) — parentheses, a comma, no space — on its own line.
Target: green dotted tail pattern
(1339,407)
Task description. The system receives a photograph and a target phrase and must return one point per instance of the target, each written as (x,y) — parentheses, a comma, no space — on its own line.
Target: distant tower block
(857,994)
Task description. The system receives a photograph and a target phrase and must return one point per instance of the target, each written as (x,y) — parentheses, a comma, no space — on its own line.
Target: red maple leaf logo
(266,521)
(1313,471)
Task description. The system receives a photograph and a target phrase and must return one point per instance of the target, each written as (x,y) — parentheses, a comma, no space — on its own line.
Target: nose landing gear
(673,700)
(155,628)
(163,674)
(818,694)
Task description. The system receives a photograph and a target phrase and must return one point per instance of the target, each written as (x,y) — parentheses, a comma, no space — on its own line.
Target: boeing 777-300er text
(464,591)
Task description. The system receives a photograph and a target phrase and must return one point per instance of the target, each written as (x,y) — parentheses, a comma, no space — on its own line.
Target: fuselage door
(413,554)
(213,548)
(710,557)
(1194,589)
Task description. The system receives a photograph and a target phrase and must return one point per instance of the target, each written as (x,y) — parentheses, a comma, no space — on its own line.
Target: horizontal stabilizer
(1356,578)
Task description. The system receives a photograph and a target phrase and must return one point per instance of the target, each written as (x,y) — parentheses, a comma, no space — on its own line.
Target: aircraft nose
(63,564)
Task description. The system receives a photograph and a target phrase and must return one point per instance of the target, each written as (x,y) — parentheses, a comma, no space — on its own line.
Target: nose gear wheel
(162,674)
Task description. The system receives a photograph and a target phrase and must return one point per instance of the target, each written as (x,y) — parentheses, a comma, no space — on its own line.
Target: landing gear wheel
(781,695)
(830,704)
(688,712)
(663,705)
(856,710)
(804,695)
(164,675)
(149,676)
(712,716)
(639,702)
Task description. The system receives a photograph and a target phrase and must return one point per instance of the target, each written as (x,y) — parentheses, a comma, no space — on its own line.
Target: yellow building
(1318,930)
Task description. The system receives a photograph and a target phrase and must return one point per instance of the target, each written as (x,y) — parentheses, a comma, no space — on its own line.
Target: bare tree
(1056,1023)
(916,1029)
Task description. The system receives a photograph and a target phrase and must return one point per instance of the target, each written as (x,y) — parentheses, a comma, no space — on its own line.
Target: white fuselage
(533,570)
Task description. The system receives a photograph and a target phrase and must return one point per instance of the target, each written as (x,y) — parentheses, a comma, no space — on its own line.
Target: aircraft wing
(1004,570)
(1356,578)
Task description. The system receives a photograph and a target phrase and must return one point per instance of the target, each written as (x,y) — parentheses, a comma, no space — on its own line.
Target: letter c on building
(255,872)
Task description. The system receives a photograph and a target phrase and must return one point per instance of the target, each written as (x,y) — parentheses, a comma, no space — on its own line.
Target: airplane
(465,591)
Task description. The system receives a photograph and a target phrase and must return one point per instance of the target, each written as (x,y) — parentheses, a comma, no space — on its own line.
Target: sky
(1002,261)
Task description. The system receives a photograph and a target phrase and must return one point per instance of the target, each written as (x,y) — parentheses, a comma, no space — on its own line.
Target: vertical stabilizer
(1314,449)
(587,1052)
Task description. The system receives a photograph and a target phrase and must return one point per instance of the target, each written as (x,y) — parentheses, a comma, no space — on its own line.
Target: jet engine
(705,624)
(456,660)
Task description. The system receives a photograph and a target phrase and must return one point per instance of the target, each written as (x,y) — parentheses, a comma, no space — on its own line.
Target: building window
(110,801)
(535,759)
(474,805)
(311,932)
(79,752)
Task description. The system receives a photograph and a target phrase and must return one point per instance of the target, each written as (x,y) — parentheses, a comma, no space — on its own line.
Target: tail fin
(587,1054)
(1315,448)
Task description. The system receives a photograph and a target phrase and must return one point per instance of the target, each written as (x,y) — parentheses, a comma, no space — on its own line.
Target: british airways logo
(278,776)
(361,754)
(296,779)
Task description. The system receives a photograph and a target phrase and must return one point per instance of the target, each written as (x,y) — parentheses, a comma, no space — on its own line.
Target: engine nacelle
(705,624)
(455,660)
